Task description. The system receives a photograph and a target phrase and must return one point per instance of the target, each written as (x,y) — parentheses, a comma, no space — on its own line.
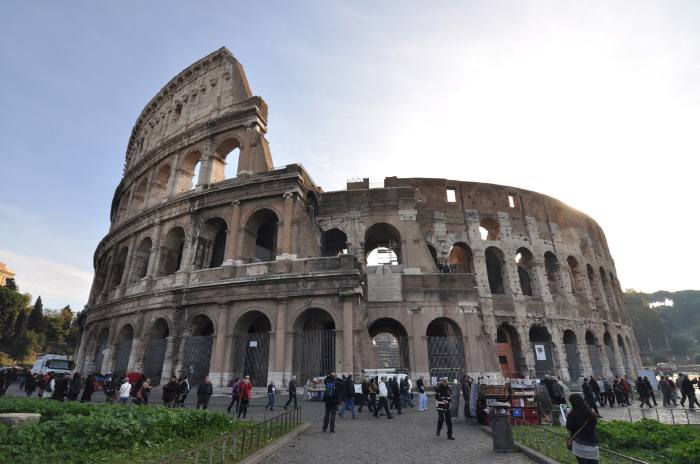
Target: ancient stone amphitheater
(217,262)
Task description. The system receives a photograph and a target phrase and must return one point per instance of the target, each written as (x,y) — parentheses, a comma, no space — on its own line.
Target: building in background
(5,274)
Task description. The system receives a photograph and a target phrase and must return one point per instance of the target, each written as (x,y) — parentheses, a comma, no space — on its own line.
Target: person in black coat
(60,388)
(89,389)
(396,394)
(74,387)
(30,385)
(643,393)
(688,390)
(589,396)
(292,390)
(331,401)
(443,397)
(581,423)
(170,392)
(204,392)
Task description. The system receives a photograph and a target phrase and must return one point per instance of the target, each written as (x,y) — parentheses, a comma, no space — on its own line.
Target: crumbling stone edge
(527,451)
(274,447)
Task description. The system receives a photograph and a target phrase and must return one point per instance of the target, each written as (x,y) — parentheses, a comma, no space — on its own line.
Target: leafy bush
(88,433)
(674,444)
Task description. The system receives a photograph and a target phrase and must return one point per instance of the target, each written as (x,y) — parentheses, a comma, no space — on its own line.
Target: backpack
(236,389)
(330,389)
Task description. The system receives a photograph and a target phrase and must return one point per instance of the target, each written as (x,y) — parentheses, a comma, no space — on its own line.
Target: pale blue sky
(595,103)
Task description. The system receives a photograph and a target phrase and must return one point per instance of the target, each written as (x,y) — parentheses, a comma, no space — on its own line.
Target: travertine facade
(5,274)
(264,273)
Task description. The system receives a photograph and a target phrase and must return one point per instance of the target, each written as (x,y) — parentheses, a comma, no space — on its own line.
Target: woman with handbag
(581,424)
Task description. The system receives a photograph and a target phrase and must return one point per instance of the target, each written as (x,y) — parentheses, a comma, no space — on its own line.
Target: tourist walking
(348,403)
(665,390)
(650,389)
(142,393)
(74,387)
(443,396)
(331,401)
(271,391)
(643,393)
(246,391)
(30,385)
(383,398)
(183,389)
(170,390)
(688,391)
(88,389)
(589,396)
(581,423)
(60,388)
(124,391)
(422,397)
(235,394)
(292,390)
(607,388)
(365,395)
(204,392)
(405,388)
(372,390)
(395,391)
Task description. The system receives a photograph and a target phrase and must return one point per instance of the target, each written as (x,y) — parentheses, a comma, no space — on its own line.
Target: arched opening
(461,258)
(188,174)
(334,242)
(508,352)
(314,344)
(572,355)
(260,236)
(578,284)
(606,289)
(623,350)
(542,348)
(595,288)
(118,268)
(553,270)
(171,252)
(445,349)
(211,244)
(142,255)
(389,345)
(610,353)
(591,345)
(526,264)
(489,228)
(99,353)
(382,245)
(198,346)
(224,162)
(138,198)
(251,343)
(122,351)
(101,273)
(159,186)
(495,268)
(154,353)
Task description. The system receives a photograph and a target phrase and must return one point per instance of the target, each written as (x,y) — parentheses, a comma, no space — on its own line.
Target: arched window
(196,357)
(445,348)
(489,229)
(260,236)
(159,186)
(188,174)
(461,258)
(578,283)
(526,265)
(142,255)
(122,351)
(171,252)
(382,245)
(103,266)
(553,270)
(607,289)
(118,268)
(138,198)
(595,287)
(334,242)
(211,244)
(495,267)
(224,162)
(314,344)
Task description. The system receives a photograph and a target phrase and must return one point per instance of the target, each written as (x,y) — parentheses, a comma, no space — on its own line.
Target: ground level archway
(154,351)
(196,356)
(445,349)
(542,350)
(122,351)
(314,344)
(508,351)
(389,345)
(251,343)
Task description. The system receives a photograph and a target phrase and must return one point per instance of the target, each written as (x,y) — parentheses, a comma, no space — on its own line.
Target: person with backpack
(271,392)
(246,392)
(204,393)
(383,398)
(292,390)
(183,389)
(348,397)
(331,401)
(235,394)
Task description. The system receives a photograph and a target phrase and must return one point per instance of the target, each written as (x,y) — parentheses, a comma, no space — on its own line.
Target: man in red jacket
(246,391)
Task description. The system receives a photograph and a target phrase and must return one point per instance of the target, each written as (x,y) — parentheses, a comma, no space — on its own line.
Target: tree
(11,284)
(23,345)
(11,304)
(36,318)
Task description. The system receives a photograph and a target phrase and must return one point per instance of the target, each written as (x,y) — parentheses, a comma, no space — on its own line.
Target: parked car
(56,363)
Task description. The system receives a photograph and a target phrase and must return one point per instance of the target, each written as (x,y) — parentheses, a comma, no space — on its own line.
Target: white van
(57,363)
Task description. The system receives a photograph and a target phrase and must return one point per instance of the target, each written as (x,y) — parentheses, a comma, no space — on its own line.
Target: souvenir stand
(525,407)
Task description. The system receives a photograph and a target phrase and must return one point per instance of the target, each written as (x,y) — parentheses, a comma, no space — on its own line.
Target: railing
(232,448)
(671,416)
(553,444)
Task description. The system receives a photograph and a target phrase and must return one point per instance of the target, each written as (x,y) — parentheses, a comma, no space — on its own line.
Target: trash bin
(555,416)
(501,431)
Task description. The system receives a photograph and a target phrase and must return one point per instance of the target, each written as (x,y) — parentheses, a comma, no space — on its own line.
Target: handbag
(570,440)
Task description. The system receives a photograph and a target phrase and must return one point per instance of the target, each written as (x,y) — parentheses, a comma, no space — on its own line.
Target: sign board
(253,344)
(540,354)
(651,375)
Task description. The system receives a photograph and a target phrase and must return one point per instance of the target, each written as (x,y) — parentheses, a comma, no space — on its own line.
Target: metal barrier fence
(553,444)
(232,448)
(671,416)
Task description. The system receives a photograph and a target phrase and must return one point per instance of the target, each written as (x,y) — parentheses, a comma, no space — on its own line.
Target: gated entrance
(389,345)
(154,353)
(197,353)
(122,351)
(314,345)
(251,346)
(572,356)
(591,344)
(445,349)
(610,352)
(508,351)
(100,347)
(541,342)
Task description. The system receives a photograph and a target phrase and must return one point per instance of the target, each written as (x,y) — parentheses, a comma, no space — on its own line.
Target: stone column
(526,347)
(539,278)
(136,356)
(171,189)
(127,267)
(80,358)
(168,367)
(419,347)
(559,353)
(348,304)
(279,374)
(147,201)
(232,251)
(217,368)
(154,258)
(205,167)
(288,225)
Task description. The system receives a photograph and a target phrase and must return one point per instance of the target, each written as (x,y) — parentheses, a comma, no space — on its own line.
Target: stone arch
(542,350)
(118,267)
(495,268)
(594,356)
(223,163)
(461,258)
(489,228)
(189,171)
(526,270)
(251,342)
(389,344)
(171,251)
(159,185)
(122,350)
(196,357)
(573,359)
(211,244)
(553,271)
(314,344)
(142,255)
(510,358)
(595,287)
(260,236)
(445,348)
(138,197)
(155,348)
(100,346)
(610,353)
(433,254)
(334,242)
(103,265)
(623,350)
(606,288)
(382,245)
(578,282)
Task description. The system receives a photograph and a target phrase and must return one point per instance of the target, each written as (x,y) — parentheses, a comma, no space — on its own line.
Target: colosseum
(218,262)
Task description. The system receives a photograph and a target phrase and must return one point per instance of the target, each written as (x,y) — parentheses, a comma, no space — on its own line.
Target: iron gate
(546,365)
(596,365)
(122,351)
(99,358)
(612,360)
(314,354)
(154,358)
(197,357)
(446,357)
(391,352)
(573,360)
(252,356)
